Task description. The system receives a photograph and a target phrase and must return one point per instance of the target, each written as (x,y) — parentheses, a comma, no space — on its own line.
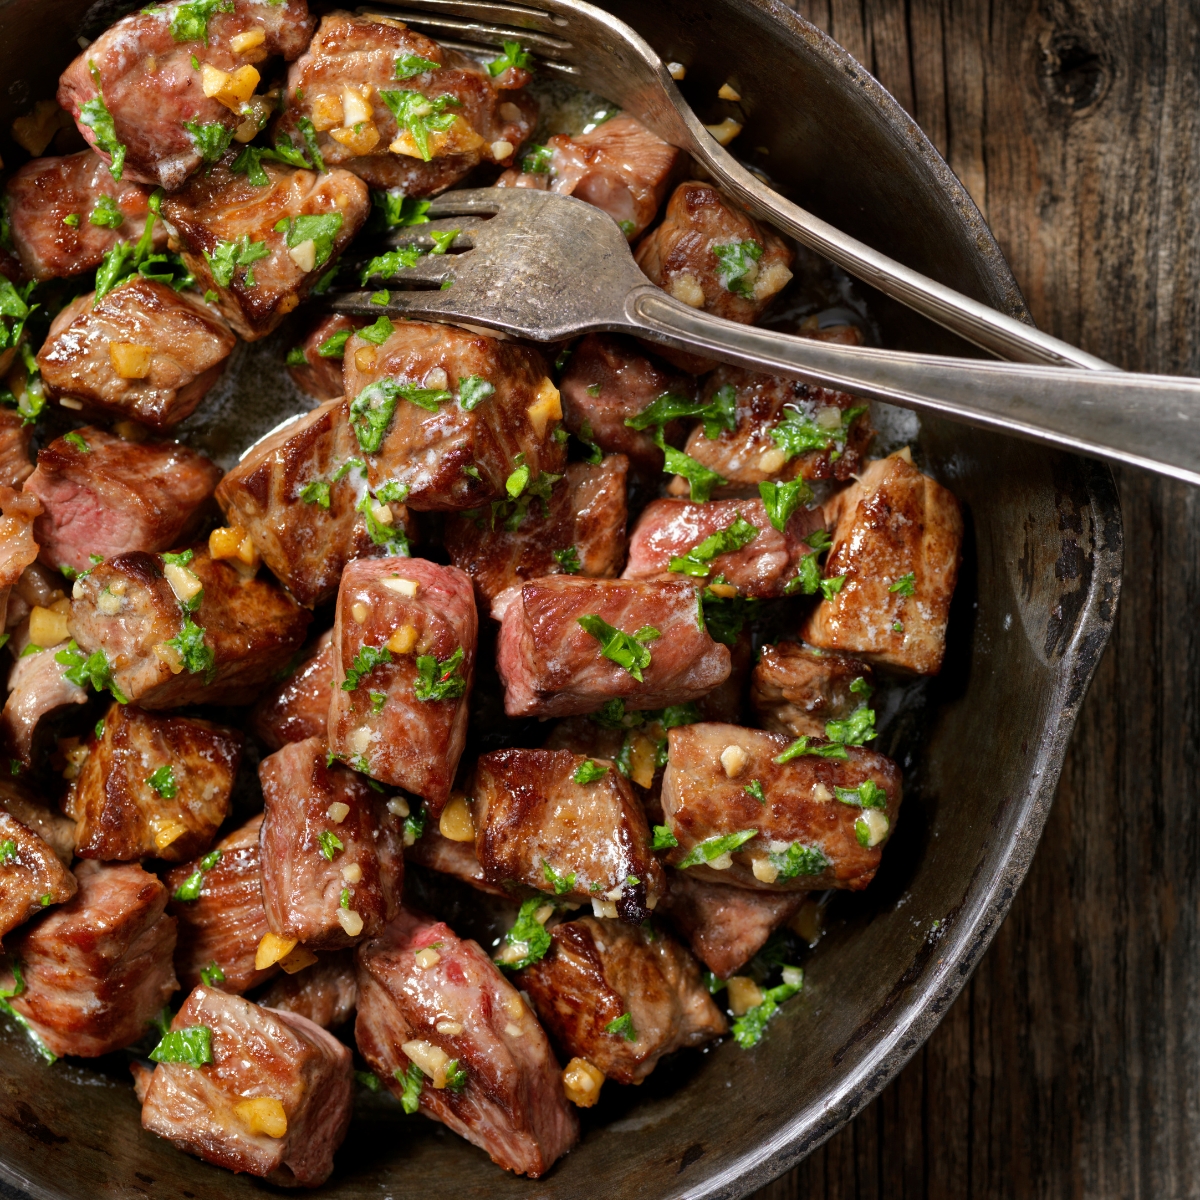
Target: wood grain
(1070,1065)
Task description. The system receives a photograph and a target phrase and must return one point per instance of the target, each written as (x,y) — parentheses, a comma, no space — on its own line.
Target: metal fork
(593,49)
(546,267)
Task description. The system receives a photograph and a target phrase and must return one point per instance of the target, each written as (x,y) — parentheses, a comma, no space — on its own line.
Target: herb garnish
(162,780)
(95,115)
(94,669)
(698,560)
(190,888)
(440,680)
(714,847)
(782,499)
(737,263)
(628,651)
(560,883)
(717,414)
(701,479)
(589,772)
(191,1046)
(528,937)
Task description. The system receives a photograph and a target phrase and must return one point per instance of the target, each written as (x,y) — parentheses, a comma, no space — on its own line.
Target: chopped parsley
(71,219)
(408,65)
(106,214)
(737,263)
(377,333)
(309,134)
(390,264)
(528,937)
(412,1081)
(414,825)
(191,887)
(190,22)
(8,852)
(798,860)
(211,139)
(421,115)
(94,669)
(854,730)
(443,239)
(296,357)
(14,311)
(906,585)
(456,1076)
(717,414)
(316,492)
(868,794)
(782,499)
(344,899)
(831,587)
(162,780)
(473,391)
(392,536)
(198,657)
(319,228)
(538,159)
(755,789)
(330,843)
(368,1079)
(622,1027)
(95,115)
(212,974)
(589,772)
(378,700)
(74,438)
(515,55)
(440,680)
(804,745)
(701,479)
(372,409)
(663,838)
(191,1046)
(365,661)
(628,651)
(698,560)
(568,559)
(714,847)
(335,346)
(725,616)
(228,256)
(797,433)
(518,480)
(749,1028)
(393,209)
(560,883)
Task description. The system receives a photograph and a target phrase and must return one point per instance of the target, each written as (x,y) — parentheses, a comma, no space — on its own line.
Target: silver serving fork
(594,49)
(546,267)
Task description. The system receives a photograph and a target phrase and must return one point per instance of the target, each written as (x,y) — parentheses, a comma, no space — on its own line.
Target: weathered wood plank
(1070,1066)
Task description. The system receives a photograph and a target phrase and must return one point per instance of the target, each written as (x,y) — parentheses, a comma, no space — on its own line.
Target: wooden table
(1070,1065)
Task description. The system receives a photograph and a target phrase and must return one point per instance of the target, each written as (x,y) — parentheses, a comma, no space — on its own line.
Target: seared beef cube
(57,831)
(897,543)
(17,546)
(403,663)
(784,430)
(16,439)
(299,707)
(38,685)
(795,689)
(567,825)
(99,968)
(320,374)
(552,666)
(272,1096)
(597,975)
(726,926)
(161,655)
(152,787)
(218,902)
(439,1024)
(325,992)
(332,855)
(46,191)
(140,102)
(620,167)
(262,248)
(578,530)
(639,749)
(739,816)
(457,859)
(354,62)
(730,538)
(300,497)
(609,380)
(32,876)
(452,416)
(103,496)
(145,352)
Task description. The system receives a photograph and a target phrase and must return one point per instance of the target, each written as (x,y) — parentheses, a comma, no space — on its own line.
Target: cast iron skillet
(1034,610)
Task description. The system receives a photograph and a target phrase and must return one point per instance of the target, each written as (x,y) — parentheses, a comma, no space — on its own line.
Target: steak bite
(260,1091)
(403,663)
(102,495)
(145,352)
(184,628)
(609,380)
(554,666)
(217,900)
(298,708)
(620,167)
(361,72)
(567,825)
(332,855)
(16,441)
(456,418)
(18,549)
(141,102)
(45,192)
(442,1028)
(301,495)
(597,975)
(725,926)
(796,689)
(578,529)
(152,787)
(51,826)
(97,969)
(733,539)
(739,816)
(782,430)
(262,248)
(325,992)
(38,685)
(897,543)
(320,372)
(32,876)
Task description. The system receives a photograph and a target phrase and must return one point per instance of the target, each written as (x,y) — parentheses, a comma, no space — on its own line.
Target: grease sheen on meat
(152,786)
(795,689)
(178,346)
(319,863)
(110,496)
(32,876)
(596,972)
(97,968)
(298,708)
(804,830)
(512,1104)
(426,612)
(551,667)
(257,1053)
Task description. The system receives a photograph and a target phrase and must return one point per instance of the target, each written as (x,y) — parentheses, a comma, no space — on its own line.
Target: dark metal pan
(1034,612)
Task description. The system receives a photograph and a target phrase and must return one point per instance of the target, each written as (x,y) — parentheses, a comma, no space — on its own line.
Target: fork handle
(1148,421)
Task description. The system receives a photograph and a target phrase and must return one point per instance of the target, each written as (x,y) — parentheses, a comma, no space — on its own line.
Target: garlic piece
(263,1114)
(449,1028)
(352,873)
(350,921)
(726,131)
(582,1082)
(272,948)
(728,93)
(427,958)
(402,587)
(304,255)
(247,40)
(501,150)
(130,360)
(686,288)
(744,994)
(338,811)
(457,822)
(546,408)
(733,759)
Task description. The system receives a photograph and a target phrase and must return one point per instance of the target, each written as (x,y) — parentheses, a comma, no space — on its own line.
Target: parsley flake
(714,847)
(162,780)
(628,651)
(589,771)
(440,680)
(191,1046)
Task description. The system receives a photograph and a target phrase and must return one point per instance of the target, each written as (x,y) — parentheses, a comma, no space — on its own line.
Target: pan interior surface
(1034,609)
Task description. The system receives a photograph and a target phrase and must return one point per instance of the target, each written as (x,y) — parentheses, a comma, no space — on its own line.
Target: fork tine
(478,34)
(422,235)
(518,16)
